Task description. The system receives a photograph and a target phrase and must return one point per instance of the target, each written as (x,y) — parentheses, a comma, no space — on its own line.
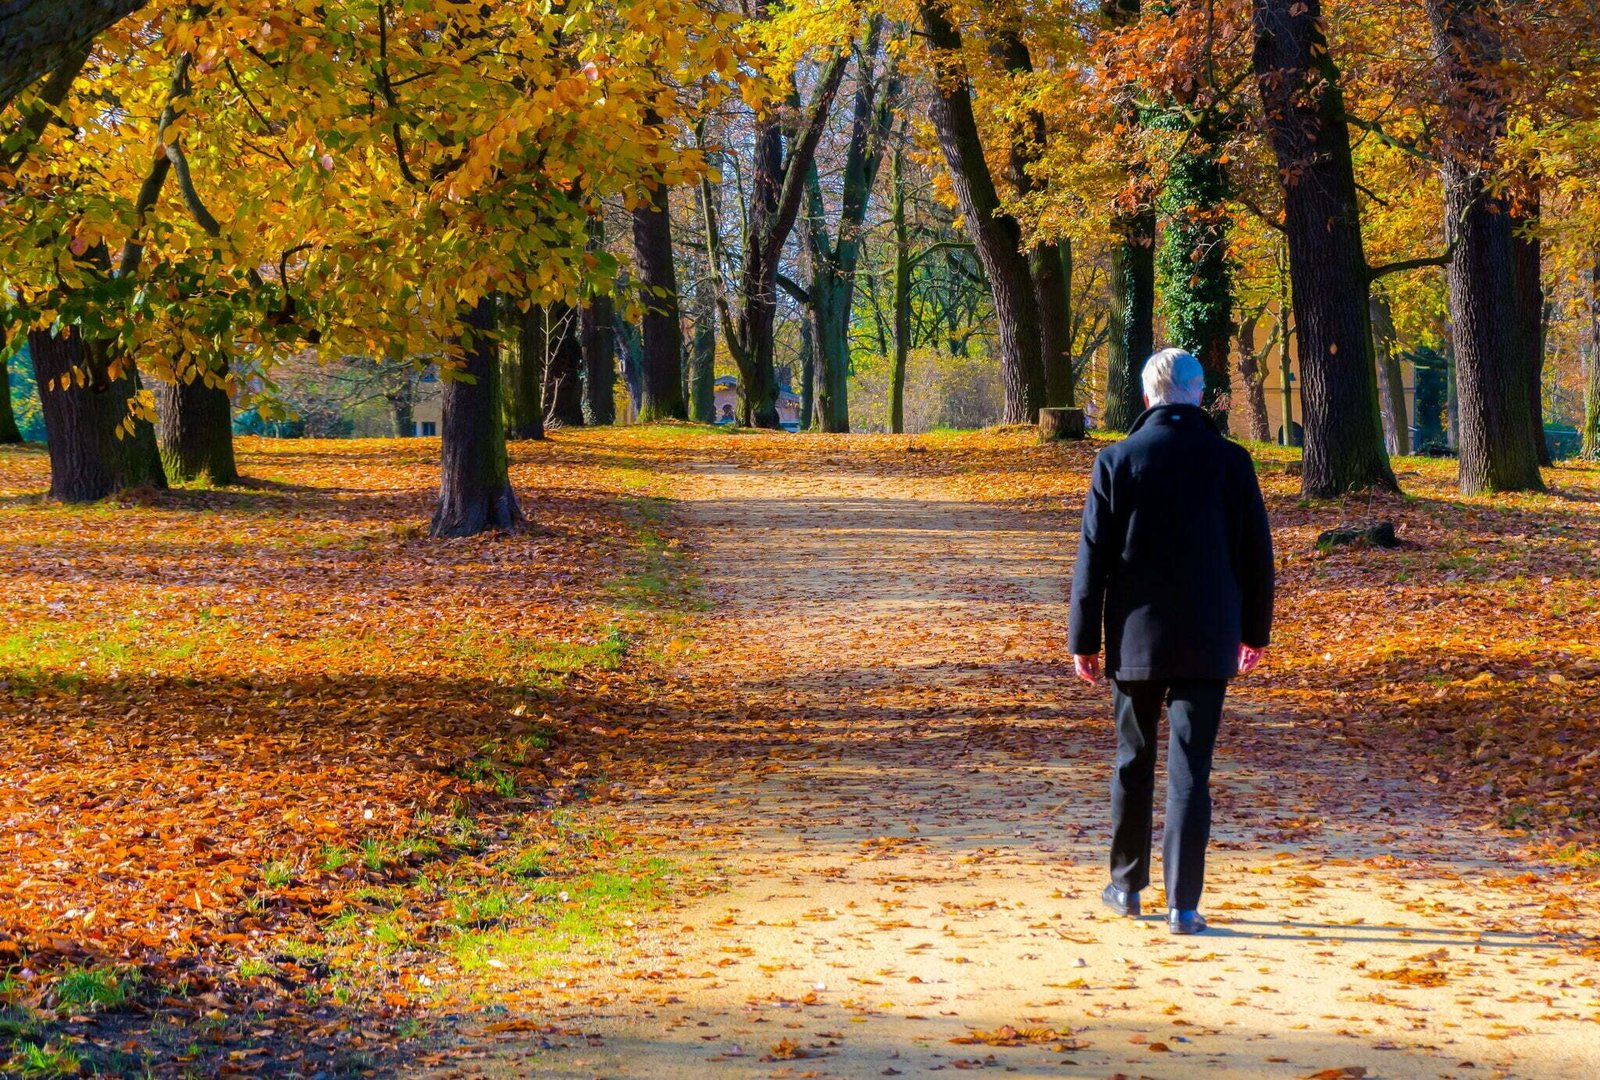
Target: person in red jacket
(1174,578)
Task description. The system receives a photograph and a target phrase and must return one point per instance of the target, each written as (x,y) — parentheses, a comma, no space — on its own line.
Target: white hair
(1173,377)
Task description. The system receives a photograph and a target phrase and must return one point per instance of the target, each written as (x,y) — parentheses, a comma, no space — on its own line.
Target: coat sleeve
(1099,547)
(1254,565)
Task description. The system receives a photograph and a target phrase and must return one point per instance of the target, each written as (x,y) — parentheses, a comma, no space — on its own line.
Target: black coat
(1176,553)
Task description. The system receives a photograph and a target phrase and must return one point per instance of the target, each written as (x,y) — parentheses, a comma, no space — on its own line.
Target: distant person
(727,413)
(1175,563)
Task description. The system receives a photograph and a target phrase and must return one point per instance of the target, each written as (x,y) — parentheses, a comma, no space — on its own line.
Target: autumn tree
(1304,113)
(1497,409)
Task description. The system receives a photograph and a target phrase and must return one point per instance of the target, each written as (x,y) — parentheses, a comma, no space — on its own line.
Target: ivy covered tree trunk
(1305,119)
(9,432)
(563,366)
(1193,269)
(84,407)
(194,429)
(1391,380)
(474,473)
(1253,374)
(402,399)
(995,234)
(1131,335)
(1591,382)
(661,396)
(1495,449)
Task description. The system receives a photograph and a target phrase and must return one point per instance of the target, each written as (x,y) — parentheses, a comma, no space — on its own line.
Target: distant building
(726,399)
(427,406)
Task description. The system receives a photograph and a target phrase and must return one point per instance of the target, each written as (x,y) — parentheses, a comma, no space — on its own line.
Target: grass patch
(563,914)
(81,989)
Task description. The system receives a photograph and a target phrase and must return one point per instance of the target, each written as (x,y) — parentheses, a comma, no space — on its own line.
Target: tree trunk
(1253,373)
(84,408)
(37,38)
(194,431)
(661,396)
(1391,380)
(1527,274)
(902,299)
(522,373)
(810,378)
(9,433)
(599,346)
(1193,266)
(996,235)
(474,478)
(1591,384)
(777,187)
(402,402)
(1304,107)
(1050,266)
(563,366)
(1131,335)
(703,355)
(1494,449)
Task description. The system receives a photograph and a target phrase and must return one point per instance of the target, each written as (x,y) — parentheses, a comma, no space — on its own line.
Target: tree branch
(1376,272)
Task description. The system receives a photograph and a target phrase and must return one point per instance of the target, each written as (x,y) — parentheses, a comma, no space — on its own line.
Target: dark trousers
(1194,711)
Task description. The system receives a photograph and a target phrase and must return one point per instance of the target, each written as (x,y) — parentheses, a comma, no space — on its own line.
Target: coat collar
(1174,414)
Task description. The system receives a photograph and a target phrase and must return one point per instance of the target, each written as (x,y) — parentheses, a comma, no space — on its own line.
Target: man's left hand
(1087,668)
(1249,658)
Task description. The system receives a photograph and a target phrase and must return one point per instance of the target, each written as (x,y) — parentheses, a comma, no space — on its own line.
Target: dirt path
(906,794)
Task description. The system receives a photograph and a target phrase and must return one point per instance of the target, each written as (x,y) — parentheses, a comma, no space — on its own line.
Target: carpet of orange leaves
(232,715)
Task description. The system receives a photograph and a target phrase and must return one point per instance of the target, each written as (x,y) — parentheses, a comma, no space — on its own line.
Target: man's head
(1173,377)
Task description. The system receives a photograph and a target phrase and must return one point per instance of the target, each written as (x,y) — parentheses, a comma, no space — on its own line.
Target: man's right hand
(1087,668)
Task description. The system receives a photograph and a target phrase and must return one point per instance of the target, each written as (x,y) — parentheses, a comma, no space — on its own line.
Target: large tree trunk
(1494,448)
(996,235)
(599,345)
(9,433)
(474,477)
(1527,276)
(661,396)
(1049,270)
(37,38)
(1391,380)
(1253,373)
(194,431)
(1193,265)
(1050,266)
(84,409)
(522,373)
(1305,117)
(1131,335)
(563,366)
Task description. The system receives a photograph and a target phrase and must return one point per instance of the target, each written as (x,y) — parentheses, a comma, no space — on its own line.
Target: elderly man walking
(1175,563)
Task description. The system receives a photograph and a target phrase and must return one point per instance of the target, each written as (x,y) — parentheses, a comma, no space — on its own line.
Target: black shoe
(1123,903)
(1185,922)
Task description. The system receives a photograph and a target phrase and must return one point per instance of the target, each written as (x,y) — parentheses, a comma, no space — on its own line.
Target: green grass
(41,1062)
(92,989)
(563,914)
(277,874)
